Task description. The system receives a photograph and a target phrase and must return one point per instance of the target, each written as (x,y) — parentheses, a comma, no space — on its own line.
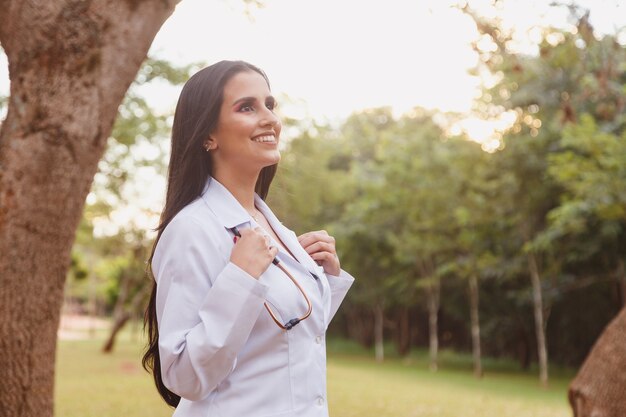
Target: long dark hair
(196,116)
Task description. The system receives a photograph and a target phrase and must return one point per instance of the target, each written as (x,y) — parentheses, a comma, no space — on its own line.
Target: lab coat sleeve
(339,286)
(205,310)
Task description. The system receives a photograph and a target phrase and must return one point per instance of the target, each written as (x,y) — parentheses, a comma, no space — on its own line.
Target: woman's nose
(269,118)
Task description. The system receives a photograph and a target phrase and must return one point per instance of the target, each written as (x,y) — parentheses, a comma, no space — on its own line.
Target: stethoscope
(293,322)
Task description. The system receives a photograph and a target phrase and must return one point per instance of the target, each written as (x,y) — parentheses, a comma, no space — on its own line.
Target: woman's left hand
(321,247)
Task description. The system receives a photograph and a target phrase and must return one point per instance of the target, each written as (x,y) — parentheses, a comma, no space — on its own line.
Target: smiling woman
(213,347)
(247,133)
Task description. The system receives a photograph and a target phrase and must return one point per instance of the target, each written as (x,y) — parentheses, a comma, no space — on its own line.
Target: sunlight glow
(328,58)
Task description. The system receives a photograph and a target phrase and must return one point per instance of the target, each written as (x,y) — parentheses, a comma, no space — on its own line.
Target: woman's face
(246,137)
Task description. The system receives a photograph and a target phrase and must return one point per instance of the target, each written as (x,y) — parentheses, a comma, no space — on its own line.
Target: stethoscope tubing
(295,321)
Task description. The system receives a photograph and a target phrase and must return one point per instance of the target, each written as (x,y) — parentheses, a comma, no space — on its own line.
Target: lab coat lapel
(231,213)
(289,238)
(224,205)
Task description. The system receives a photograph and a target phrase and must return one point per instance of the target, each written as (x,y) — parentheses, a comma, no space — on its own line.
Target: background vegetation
(511,249)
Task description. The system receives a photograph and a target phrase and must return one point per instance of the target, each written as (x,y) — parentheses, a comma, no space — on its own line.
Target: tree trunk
(122,313)
(539,321)
(70,63)
(118,324)
(475,323)
(378,332)
(600,386)
(433,311)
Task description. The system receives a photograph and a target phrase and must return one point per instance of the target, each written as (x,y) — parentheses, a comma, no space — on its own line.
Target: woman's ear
(209,144)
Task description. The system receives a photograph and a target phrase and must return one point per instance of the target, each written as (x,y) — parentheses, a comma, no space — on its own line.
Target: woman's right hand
(253,252)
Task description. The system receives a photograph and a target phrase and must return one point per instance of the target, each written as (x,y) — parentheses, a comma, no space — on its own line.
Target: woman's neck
(240,185)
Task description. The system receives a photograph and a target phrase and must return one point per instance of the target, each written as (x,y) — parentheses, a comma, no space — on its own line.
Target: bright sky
(334,57)
(338,56)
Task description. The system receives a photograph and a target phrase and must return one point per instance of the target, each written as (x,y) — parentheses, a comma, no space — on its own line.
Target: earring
(208,147)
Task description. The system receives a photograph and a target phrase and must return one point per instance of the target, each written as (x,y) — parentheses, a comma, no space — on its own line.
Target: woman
(240,304)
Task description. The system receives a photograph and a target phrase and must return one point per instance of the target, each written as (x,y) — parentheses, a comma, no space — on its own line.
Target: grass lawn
(91,384)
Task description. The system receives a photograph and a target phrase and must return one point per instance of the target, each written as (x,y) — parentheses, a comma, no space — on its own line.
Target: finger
(273,251)
(320,247)
(313,232)
(312,237)
(324,256)
(329,261)
(246,231)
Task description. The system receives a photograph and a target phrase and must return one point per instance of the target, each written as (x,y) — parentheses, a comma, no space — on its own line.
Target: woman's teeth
(268,138)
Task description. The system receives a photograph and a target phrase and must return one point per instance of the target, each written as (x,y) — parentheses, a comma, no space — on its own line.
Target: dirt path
(78,327)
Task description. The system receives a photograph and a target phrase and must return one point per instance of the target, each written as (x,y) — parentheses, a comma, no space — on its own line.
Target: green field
(90,384)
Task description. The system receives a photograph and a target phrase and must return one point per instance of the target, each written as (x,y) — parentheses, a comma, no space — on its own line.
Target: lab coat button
(320,400)
(318,340)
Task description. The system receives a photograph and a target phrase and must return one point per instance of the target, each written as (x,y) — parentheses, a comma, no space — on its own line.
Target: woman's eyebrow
(242,99)
(248,99)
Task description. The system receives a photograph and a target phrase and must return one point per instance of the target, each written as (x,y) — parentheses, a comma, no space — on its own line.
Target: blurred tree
(312,186)
(364,228)
(70,63)
(128,291)
(416,170)
(477,222)
(576,83)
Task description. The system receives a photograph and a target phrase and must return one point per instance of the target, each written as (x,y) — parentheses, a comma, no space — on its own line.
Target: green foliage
(139,136)
(78,269)
(125,270)
(410,206)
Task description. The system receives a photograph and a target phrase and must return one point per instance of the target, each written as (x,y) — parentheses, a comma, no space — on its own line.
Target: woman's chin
(273,160)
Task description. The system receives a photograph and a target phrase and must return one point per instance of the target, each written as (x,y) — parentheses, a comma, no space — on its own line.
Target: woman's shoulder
(192,230)
(192,220)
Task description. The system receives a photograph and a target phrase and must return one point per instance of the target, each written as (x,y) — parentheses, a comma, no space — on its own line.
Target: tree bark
(475,323)
(539,321)
(600,386)
(70,63)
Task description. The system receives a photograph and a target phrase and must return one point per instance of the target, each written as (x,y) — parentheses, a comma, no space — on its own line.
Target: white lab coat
(220,349)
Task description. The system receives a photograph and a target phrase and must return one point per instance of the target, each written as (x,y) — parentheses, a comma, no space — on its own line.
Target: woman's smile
(266,138)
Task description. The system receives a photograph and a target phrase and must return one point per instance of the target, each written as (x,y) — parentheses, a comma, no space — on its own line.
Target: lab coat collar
(224,205)
(232,214)
(289,238)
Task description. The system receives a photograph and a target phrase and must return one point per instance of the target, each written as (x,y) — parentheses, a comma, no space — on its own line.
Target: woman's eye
(246,107)
(271,105)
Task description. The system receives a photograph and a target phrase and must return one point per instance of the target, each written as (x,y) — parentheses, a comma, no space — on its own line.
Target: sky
(334,57)
(329,58)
